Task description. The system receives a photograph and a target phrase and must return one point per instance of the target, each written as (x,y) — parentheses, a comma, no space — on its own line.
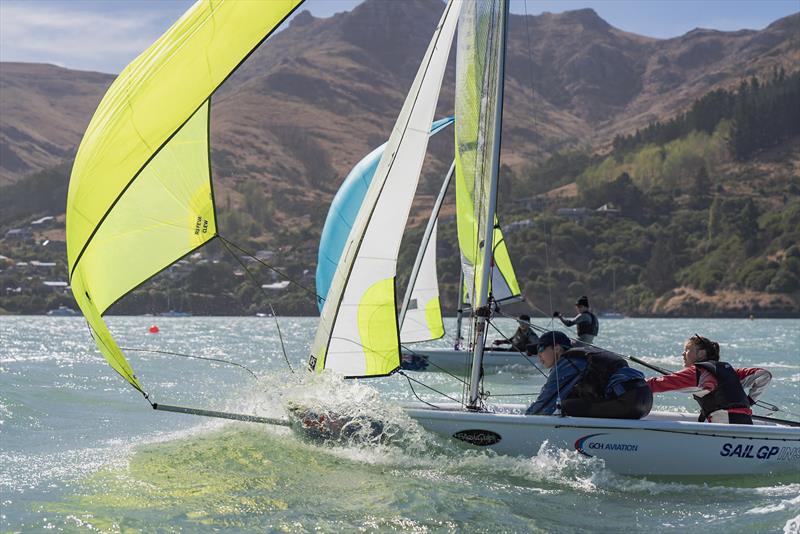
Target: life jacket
(521,339)
(729,392)
(594,379)
(589,328)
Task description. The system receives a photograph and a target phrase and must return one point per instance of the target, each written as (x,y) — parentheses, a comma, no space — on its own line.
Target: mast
(424,245)
(481,309)
(460,312)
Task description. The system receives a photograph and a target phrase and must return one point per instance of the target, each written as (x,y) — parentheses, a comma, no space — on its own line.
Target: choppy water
(82,451)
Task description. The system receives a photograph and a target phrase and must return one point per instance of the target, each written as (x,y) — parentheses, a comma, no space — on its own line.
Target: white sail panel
(423,319)
(358,333)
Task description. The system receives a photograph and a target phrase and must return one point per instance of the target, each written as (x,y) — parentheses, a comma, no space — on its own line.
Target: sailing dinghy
(140,198)
(358,333)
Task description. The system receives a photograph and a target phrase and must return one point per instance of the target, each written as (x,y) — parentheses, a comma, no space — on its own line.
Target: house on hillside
(44,222)
(575,214)
(608,209)
(21,235)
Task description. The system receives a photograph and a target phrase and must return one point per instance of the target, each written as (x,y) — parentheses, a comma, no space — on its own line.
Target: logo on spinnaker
(312,363)
(481,438)
(200,225)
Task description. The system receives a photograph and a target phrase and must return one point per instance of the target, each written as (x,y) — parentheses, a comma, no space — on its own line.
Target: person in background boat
(586,321)
(590,382)
(524,339)
(724,393)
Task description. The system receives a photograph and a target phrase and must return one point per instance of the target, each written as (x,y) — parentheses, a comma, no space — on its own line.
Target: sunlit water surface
(80,450)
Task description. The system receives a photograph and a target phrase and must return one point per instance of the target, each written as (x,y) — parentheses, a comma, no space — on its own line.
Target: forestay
(476,73)
(358,332)
(140,194)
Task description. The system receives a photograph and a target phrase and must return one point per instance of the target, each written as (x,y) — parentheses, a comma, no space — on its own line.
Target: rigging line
(411,386)
(170,353)
(430,388)
(530,58)
(441,369)
(253,278)
(268,266)
(529,394)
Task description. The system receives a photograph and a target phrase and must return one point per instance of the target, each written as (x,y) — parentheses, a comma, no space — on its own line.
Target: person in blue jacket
(588,382)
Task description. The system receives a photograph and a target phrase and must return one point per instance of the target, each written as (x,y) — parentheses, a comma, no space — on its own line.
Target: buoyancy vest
(729,392)
(600,366)
(591,328)
(521,339)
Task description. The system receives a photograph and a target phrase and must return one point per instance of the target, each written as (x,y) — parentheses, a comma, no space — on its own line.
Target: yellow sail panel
(154,96)
(478,40)
(100,333)
(377,327)
(167,212)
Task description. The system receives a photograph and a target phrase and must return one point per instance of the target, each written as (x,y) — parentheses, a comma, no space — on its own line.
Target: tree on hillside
(699,192)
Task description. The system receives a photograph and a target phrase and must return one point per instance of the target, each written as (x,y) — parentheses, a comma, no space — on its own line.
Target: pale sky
(105,35)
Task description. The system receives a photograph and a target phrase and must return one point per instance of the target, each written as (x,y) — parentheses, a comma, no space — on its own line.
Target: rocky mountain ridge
(320,94)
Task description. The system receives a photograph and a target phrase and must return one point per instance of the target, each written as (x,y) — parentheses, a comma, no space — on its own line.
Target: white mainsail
(358,333)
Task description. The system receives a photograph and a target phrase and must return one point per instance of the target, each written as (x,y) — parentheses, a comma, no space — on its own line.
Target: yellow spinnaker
(140,194)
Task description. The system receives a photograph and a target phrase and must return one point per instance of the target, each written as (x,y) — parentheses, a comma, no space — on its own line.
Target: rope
(441,369)
(268,266)
(169,353)
(225,242)
(429,387)
(530,58)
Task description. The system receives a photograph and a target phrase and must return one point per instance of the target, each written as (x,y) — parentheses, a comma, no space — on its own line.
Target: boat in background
(611,315)
(175,313)
(62,311)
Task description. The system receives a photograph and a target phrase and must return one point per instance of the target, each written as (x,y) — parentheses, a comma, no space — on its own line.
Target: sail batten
(360,308)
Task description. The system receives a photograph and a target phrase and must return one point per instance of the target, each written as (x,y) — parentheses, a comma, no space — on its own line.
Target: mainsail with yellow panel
(140,195)
(358,334)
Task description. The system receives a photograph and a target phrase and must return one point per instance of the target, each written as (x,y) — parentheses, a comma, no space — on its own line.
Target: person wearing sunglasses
(588,382)
(723,392)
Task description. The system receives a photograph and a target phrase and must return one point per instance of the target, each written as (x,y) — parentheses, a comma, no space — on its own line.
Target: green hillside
(701,217)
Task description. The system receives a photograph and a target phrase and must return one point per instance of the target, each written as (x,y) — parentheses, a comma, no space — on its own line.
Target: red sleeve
(744,372)
(685,378)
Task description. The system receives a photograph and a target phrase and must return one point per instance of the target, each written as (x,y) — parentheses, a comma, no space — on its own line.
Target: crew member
(724,393)
(590,382)
(586,321)
(524,338)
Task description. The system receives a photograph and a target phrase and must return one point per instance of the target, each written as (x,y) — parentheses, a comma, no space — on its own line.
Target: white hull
(661,444)
(458,361)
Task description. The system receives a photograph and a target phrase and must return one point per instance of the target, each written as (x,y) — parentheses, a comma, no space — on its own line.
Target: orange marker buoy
(154,329)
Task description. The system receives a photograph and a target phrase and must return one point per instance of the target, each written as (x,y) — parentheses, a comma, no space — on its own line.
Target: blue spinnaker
(343,212)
